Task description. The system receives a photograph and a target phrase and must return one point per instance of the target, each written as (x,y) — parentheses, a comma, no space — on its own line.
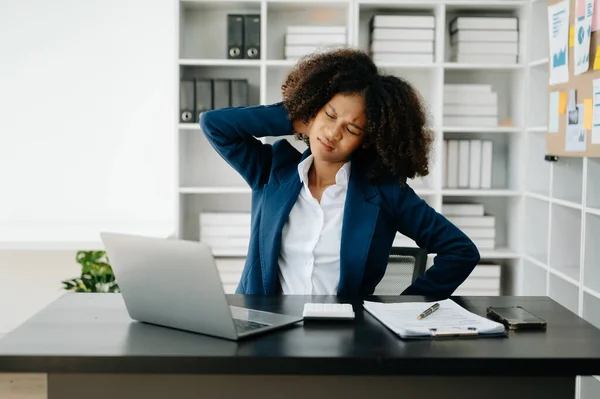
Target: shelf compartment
(282,14)
(201,166)
(593,183)
(192,205)
(536,225)
(215,72)
(366,11)
(507,223)
(565,241)
(564,293)
(592,253)
(202,19)
(499,9)
(506,173)
(507,84)
(537,178)
(567,179)
(534,279)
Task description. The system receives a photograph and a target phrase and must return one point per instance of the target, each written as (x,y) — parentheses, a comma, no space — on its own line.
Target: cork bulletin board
(573,129)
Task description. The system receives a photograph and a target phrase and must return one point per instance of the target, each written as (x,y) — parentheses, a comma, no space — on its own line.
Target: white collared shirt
(309,260)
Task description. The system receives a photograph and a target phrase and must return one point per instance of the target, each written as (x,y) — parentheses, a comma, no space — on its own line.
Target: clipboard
(451,321)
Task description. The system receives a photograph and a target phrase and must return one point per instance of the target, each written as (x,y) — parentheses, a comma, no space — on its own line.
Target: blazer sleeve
(456,255)
(232,133)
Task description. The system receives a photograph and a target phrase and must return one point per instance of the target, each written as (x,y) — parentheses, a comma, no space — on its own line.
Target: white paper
(583,31)
(596,112)
(558,26)
(402,318)
(576,137)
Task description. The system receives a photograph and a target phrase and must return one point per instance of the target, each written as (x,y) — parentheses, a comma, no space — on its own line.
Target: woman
(323,222)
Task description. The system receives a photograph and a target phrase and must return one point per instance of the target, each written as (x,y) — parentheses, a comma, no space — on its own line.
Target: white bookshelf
(534,201)
(207,183)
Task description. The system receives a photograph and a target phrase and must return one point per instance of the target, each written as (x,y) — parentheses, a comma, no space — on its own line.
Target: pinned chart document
(450,319)
(583,32)
(558,26)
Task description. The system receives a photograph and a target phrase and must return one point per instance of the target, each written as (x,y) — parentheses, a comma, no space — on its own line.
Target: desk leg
(127,386)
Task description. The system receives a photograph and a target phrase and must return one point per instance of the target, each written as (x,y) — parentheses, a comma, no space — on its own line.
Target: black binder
(221,93)
(252,36)
(239,92)
(203,97)
(186,100)
(235,36)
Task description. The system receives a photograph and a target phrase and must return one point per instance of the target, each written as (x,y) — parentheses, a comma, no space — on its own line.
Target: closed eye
(351,132)
(330,116)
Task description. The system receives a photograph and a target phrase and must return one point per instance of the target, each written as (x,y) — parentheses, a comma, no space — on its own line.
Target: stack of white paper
(472,220)
(303,40)
(449,320)
(484,40)
(227,233)
(402,38)
(468,163)
(470,105)
(484,280)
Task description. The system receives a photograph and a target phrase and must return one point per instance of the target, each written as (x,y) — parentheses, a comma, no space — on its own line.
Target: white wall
(30,280)
(88,100)
(88,118)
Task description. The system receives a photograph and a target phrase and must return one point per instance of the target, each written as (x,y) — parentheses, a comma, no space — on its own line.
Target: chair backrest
(404,266)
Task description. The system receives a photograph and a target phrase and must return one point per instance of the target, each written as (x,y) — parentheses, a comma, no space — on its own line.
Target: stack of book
(227,233)
(485,280)
(303,40)
(402,38)
(472,220)
(471,105)
(468,163)
(484,40)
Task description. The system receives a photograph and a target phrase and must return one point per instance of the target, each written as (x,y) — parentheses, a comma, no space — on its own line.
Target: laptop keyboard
(243,326)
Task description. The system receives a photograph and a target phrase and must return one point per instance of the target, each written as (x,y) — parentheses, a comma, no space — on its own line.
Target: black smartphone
(516,318)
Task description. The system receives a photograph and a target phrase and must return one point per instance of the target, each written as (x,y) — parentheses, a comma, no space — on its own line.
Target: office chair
(404,266)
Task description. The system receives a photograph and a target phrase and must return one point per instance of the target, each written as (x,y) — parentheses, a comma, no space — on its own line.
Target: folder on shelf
(220,93)
(186,100)
(239,93)
(235,36)
(203,97)
(449,321)
(252,36)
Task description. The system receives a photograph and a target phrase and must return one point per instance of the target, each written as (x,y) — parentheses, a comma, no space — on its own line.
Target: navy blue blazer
(373,213)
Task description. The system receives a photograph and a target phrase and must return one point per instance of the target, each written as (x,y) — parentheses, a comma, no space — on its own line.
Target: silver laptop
(175,283)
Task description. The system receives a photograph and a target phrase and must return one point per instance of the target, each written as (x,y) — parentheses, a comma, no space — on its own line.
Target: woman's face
(338,128)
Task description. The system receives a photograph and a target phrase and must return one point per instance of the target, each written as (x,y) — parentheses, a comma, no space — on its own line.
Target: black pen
(429,311)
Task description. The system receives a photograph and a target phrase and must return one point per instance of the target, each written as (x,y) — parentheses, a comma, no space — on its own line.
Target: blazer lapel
(360,218)
(279,197)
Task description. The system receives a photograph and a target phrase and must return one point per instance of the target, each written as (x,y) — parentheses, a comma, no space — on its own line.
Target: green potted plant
(96,274)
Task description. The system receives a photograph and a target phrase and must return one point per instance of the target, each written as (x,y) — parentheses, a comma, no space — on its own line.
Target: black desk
(90,348)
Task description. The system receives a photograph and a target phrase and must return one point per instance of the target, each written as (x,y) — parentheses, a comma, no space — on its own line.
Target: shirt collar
(341,177)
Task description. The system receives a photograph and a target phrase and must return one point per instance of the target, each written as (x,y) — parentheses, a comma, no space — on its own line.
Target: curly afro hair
(398,138)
